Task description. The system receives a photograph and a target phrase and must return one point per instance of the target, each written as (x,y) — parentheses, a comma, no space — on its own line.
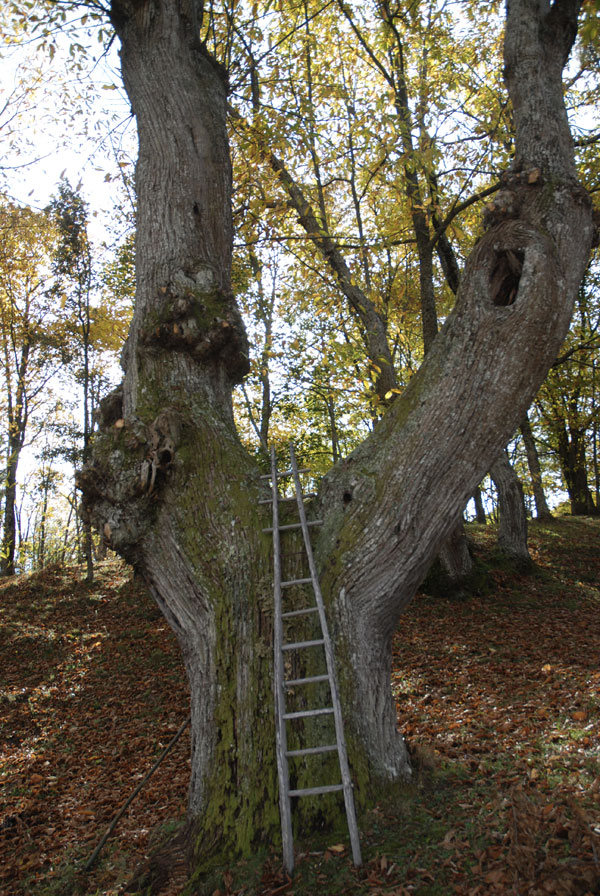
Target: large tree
(174,491)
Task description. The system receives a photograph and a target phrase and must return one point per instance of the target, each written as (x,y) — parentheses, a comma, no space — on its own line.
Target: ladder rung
(295,582)
(312,751)
(283,473)
(305,713)
(295,525)
(298,644)
(292,682)
(305,496)
(315,791)
(305,612)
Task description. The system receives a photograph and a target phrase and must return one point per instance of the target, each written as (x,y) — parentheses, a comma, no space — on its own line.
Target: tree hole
(506,276)
(347,497)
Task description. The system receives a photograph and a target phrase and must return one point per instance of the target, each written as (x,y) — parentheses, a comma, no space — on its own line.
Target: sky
(56,121)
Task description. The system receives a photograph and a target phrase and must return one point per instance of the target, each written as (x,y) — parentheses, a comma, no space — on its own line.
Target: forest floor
(498,695)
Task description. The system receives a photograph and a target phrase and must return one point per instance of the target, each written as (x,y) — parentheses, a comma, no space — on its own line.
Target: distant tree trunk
(455,556)
(175,492)
(336,454)
(43,517)
(595,462)
(17,425)
(266,309)
(571,455)
(541,505)
(512,527)
(88,545)
(595,439)
(10,497)
(479,508)
(72,507)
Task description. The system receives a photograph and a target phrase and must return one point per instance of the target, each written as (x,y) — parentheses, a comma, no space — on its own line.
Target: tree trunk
(9,535)
(175,493)
(571,454)
(169,483)
(17,425)
(455,556)
(479,508)
(541,505)
(512,527)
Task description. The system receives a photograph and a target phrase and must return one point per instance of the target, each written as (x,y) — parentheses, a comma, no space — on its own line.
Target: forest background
(358,191)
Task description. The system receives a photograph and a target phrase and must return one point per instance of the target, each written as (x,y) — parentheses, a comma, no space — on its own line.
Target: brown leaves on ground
(498,695)
(92,690)
(505,689)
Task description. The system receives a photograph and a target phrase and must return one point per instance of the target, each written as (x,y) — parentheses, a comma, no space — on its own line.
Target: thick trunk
(410,480)
(512,527)
(169,484)
(455,556)
(172,489)
(541,505)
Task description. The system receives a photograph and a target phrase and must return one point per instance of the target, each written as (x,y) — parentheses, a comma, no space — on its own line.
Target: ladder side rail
(330,662)
(285,807)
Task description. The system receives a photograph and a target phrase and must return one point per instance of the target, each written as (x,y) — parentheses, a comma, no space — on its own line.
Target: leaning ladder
(281,683)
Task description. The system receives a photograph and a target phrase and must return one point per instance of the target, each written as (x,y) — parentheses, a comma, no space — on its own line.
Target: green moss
(230,560)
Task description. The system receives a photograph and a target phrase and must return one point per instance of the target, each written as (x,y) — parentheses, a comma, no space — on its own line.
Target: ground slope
(498,694)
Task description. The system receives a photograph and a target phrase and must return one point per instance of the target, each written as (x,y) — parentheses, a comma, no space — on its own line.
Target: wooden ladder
(285,649)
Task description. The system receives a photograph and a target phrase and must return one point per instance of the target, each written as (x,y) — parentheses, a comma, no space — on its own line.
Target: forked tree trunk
(571,455)
(174,491)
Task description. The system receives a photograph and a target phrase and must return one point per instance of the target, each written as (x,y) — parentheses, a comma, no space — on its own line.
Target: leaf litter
(498,696)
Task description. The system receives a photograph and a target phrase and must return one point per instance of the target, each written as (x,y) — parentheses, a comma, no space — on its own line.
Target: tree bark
(479,508)
(173,490)
(512,527)
(9,535)
(169,485)
(571,455)
(17,425)
(455,556)
(542,511)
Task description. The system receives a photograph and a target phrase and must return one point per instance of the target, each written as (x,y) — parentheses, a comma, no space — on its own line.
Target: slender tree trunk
(541,505)
(42,548)
(17,425)
(9,535)
(88,544)
(172,488)
(512,528)
(479,508)
(72,505)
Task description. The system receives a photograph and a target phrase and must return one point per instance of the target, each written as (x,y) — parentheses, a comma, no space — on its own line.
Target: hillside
(498,694)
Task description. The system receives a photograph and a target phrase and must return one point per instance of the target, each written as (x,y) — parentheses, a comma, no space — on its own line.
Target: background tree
(72,265)
(31,349)
(567,401)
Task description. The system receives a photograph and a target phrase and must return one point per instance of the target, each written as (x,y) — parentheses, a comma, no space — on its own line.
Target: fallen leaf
(338,848)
